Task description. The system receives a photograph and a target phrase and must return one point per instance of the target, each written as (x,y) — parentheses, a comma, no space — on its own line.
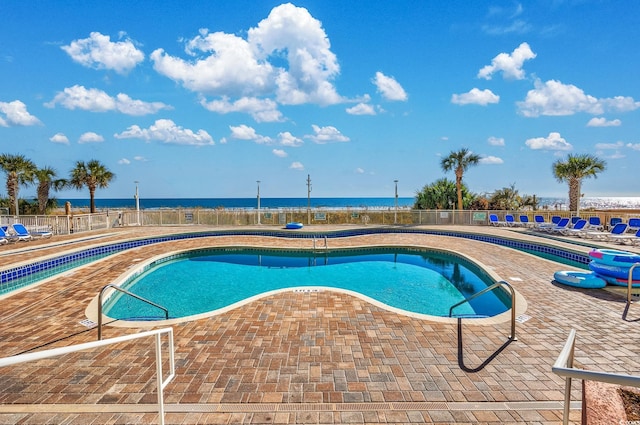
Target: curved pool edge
(92,309)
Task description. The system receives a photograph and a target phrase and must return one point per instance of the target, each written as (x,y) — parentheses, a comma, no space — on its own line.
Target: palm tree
(93,175)
(573,170)
(459,162)
(437,195)
(47,181)
(20,171)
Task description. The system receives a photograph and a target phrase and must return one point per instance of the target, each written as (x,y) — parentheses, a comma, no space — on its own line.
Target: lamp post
(395,213)
(308,199)
(258,181)
(137,204)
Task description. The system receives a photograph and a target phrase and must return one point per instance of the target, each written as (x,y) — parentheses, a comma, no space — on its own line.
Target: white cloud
(59,138)
(326,134)
(167,131)
(291,33)
(553,142)
(279,153)
(228,65)
(288,139)
(602,122)
(509,64)
(605,146)
(140,158)
(15,113)
(359,170)
(361,109)
(475,96)
(90,137)
(262,110)
(99,52)
(634,146)
(496,141)
(491,160)
(556,98)
(124,161)
(95,100)
(389,87)
(129,106)
(244,132)
(230,69)
(296,166)
(518,26)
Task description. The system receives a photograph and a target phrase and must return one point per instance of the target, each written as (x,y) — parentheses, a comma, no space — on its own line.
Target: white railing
(564,367)
(77,223)
(161,384)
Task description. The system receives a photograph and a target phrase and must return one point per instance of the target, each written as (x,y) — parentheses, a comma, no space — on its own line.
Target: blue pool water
(414,280)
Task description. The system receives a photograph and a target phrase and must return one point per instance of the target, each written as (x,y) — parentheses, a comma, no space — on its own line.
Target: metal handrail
(564,367)
(630,282)
(160,382)
(124,291)
(491,288)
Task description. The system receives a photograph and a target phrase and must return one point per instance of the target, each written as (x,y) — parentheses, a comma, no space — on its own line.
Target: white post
(258,181)
(137,205)
(395,213)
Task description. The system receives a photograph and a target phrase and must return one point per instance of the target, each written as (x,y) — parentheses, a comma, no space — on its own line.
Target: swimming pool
(408,279)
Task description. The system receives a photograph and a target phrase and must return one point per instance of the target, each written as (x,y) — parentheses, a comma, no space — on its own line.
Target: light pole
(395,213)
(137,204)
(258,181)
(308,199)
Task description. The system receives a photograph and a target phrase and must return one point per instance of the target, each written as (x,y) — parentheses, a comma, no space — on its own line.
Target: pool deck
(310,357)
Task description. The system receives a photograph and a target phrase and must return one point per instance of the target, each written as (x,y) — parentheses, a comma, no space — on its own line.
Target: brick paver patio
(313,357)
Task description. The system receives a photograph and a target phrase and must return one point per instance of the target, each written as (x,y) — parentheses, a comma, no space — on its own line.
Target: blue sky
(204,98)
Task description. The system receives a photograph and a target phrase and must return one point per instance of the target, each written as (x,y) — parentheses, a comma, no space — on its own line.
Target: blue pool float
(293,225)
(614,257)
(588,280)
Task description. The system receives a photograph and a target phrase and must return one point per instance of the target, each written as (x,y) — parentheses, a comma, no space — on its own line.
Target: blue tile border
(10,275)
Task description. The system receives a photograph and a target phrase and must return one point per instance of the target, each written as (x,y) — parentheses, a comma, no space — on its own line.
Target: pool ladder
(326,246)
(512,337)
(131,294)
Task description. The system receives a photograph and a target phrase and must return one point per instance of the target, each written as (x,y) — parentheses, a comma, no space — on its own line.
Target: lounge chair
(613,221)
(626,238)
(595,224)
(510,220)
(25,235)
(577,230)
(4,238)
(524,221)
(494,221)
(562,225)
(618,229)
(634,225)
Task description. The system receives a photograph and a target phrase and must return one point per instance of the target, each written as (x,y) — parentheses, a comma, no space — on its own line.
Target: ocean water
(632,202)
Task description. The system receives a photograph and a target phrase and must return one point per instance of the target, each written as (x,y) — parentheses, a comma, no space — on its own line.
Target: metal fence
(77,223)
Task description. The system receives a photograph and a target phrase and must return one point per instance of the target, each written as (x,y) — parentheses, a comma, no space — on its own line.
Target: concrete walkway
(309,357)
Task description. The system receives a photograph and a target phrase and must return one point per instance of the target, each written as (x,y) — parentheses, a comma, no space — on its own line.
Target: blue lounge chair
(494,221)
(23,234)
(578,228)
(562,225)
(618,229)
(4,238)
(634,224)
(510,220)
(595,224)
(524,221)
(626,239)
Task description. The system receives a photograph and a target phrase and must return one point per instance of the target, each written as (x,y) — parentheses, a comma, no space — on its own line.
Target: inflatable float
(613,266)
(588,280)
(614,257)
(293,225)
